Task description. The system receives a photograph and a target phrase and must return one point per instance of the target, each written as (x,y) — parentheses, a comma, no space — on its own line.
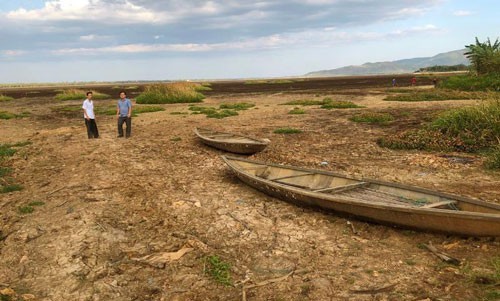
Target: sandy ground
(109,203)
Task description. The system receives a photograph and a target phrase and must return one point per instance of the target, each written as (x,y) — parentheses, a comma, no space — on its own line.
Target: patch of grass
(410,262)
(287,130)
(6,150)
(182,92)
(399,90)
(26,209)
(5,171)
(145,109)
(76,94)
(212,112)
(489,82)
(432,95)
(493,159)
(11,188)
(371,117)
(5,98)
(179,113)
(203,87)
(218,270)
(36,203)
(297,111)
(305,102)
(222,114)
(6,115)
(237,106)
(423,139)
(340,104)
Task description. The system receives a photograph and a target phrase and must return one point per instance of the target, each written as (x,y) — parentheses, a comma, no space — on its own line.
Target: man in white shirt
(88,114)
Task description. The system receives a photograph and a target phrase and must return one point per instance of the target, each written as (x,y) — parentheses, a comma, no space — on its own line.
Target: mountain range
(451,58)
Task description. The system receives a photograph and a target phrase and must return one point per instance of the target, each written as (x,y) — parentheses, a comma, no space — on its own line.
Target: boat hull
(247,147)
(434,220)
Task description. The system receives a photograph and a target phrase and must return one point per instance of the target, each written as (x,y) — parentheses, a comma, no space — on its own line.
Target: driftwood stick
(387,288)
(352,227)
(265,282)
(441,255)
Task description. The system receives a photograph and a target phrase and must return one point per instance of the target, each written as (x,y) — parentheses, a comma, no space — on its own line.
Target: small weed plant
(218,270)
(297,111)
(287,130)
(26,209)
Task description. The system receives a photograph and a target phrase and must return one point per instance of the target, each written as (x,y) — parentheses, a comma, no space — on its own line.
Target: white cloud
(91,10)
(462,13)
(10,53)
(93,37)
(320,38)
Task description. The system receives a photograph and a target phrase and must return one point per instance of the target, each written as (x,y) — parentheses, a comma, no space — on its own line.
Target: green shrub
(382,118)
(5,98)
(490,82)
(287,130)
(182,92)
(493,158)
(480,124)
(76,94)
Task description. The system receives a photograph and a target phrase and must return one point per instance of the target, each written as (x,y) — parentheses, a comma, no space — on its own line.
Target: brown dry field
(111,202)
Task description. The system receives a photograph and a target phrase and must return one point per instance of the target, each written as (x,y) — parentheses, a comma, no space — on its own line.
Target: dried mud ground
(111,205)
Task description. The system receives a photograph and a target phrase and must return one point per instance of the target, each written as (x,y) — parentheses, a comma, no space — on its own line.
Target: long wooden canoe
(381,202)
(231,142)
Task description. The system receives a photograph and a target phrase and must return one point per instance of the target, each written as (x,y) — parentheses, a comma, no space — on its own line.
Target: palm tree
(484,57)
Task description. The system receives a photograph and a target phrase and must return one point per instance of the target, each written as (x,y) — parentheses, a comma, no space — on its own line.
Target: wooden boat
(231,142)
(381,202)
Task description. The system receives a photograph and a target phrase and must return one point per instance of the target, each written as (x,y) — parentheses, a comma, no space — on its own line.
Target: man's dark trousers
(92,131)
(128,122)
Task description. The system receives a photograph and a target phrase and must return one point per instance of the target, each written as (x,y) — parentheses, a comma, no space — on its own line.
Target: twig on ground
(441,255)
(265,282)
(387,288)
(352,227)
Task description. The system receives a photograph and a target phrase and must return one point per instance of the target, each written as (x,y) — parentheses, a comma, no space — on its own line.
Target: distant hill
(401,66)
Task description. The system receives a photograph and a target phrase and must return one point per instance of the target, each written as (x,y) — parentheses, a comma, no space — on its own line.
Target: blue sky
(111,40)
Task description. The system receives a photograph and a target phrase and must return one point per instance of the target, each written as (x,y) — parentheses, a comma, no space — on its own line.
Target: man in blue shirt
(124,114)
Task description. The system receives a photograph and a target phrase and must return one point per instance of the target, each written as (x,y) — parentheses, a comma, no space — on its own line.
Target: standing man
(88,114)
(124,114)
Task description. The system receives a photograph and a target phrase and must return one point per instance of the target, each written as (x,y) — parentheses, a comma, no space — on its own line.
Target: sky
(116,40)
